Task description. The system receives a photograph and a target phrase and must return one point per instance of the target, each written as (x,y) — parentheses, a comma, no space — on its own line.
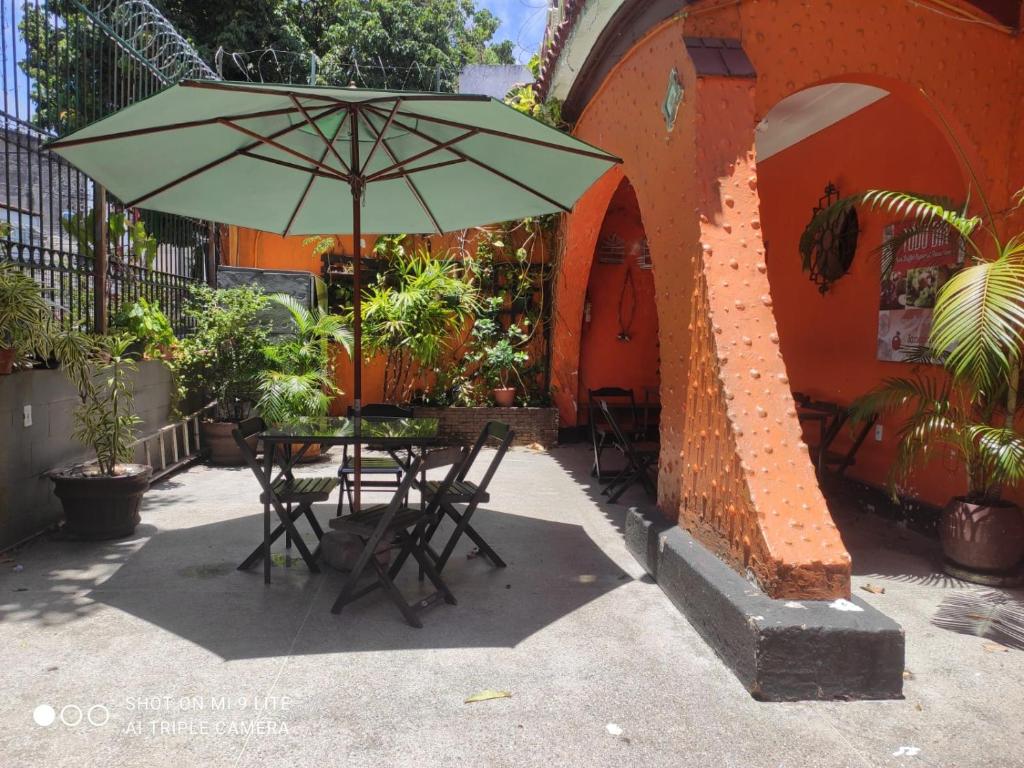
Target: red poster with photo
(923,265)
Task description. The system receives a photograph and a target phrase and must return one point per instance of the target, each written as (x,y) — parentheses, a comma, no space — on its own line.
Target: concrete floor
(181,660)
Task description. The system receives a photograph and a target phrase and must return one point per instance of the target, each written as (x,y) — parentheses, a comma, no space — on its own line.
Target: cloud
(522,22)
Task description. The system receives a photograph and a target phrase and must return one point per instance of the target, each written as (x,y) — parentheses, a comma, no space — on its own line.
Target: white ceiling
(805,113)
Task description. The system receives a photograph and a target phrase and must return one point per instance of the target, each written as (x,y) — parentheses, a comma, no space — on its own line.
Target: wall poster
(923,265)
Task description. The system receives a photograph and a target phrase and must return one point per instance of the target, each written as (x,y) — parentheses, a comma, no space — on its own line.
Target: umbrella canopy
(305,160)
(286,159)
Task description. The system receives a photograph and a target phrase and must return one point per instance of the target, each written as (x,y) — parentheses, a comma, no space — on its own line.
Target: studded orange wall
(734,469)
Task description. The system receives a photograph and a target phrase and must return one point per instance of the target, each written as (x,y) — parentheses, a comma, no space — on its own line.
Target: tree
(376,43)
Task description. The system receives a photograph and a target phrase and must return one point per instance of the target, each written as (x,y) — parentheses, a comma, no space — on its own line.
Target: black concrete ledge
(781,650)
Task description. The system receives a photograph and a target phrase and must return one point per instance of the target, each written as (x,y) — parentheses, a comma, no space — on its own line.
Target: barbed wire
(147,32)
(271,65)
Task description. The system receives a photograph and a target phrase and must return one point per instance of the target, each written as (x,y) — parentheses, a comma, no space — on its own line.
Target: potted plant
(223,360)
(101,500)
(149,325)
(298,381)
(25,318)
(500,362)
(970,403)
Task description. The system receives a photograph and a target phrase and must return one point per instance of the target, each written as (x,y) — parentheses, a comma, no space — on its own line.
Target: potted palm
(25,318)
(222,360)
(970,403)
(101,500)
(298,381)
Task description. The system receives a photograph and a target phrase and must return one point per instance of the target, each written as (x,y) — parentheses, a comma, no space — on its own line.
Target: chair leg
(434,576)
(396,596)
(341,497)
(626,483)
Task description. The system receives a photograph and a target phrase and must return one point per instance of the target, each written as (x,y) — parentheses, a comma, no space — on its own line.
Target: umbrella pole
(357,335)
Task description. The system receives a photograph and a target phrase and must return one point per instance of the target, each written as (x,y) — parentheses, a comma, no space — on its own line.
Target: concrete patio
(177,658)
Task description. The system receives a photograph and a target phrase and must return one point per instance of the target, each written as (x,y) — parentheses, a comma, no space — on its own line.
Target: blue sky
(522,23)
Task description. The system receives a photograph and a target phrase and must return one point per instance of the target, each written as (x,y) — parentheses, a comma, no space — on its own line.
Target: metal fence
(67,63)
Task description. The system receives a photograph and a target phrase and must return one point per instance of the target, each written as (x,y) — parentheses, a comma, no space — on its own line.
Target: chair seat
(461,491)
(302,489)
(371,465)
(364,522)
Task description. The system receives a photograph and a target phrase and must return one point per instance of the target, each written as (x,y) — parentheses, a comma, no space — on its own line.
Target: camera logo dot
(44,715)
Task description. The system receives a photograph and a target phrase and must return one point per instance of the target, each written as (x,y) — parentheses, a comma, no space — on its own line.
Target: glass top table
(385,432)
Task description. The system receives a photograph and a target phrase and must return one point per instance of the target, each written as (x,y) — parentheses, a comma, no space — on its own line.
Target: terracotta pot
(98,507)
(504,397)
(312,453)
(6,361)
(983,537)
(220,446)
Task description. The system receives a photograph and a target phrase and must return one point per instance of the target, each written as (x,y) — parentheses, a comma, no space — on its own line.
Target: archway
(840,335)
(619,334)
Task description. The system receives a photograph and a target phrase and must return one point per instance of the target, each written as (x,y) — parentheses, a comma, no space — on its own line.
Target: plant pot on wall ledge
(984,538)
(220,445)
(98,507)
(6,360)
(504,397)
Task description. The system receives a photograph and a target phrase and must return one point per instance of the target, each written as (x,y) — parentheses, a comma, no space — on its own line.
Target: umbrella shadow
(184,581)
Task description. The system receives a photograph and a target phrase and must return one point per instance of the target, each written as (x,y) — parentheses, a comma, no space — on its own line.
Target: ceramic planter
(97,507)
(982,537)
(504,397)
(220,445)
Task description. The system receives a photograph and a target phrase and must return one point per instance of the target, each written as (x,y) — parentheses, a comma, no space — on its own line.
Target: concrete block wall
(531,425)
(27,503)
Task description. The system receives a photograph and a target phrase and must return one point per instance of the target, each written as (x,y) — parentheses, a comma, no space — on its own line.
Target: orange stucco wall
(606,360)
(828,341)
(734,469)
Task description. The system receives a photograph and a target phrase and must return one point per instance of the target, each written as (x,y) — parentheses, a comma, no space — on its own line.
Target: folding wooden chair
(601,434)
(385,469)
(640,457)
(290,497)
(403,528)
(462,491)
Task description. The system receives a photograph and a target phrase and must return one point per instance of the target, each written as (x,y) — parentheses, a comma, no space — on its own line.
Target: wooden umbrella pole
(357,299)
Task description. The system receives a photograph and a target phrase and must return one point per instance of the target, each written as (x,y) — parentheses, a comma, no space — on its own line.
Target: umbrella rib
(505,135)
(419,155)
(65,143)
(409,172)
(281,147)
(486,167)
(213,164)
(313,175)
(380,136)
(409,182)
(330,144)
(294,166)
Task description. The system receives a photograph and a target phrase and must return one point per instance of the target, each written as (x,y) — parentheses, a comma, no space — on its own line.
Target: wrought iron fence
(67,63)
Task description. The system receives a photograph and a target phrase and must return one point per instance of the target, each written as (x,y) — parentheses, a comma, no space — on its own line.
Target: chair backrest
(381,411)
(620,398)
(453,458)
(244,430)
(494,432)
(624,442)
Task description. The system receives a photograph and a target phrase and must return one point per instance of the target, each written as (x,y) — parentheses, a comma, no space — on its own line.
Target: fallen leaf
(488,695)
(908,675)
(873,589)
(995,648)
(536,447)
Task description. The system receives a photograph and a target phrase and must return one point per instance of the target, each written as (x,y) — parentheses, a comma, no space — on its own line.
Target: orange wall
(829,341)
(605,361)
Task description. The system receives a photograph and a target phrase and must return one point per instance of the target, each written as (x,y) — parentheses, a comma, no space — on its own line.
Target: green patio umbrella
(305,160)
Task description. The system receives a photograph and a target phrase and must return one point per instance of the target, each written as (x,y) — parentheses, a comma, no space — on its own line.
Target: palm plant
(300,378)
(26,317)
(977,337)
(414,313)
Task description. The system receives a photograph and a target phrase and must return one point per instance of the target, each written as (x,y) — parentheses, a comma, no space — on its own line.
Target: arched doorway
(840,336)
(619,333)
